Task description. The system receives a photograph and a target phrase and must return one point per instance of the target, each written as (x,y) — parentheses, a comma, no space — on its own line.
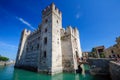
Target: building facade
(113,51)
(110,52)
(50,48)
(98,52)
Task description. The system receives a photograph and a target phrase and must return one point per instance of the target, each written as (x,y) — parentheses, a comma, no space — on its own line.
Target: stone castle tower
(50,48)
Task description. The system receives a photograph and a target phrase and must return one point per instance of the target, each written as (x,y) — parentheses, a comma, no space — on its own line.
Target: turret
(51,9)
(21,48)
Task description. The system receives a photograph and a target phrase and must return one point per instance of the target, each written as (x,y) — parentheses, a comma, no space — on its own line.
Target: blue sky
(97,20)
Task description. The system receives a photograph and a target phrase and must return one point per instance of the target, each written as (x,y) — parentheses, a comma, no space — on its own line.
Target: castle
(50,48)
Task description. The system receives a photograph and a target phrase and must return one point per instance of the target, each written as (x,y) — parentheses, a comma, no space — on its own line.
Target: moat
(9,73)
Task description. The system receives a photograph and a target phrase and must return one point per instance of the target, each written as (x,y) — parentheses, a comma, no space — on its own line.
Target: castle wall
(21,50)
(32,49)
(50,48)
(67,55)
(46,49)
(70,51)
(56,43)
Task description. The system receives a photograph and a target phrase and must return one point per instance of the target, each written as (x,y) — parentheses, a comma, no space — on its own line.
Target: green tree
(102,55)
(93,52)
(2,58)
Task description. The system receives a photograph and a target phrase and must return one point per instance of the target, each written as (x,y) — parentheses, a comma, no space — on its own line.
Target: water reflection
(9,73)
(6,72)
(26,75)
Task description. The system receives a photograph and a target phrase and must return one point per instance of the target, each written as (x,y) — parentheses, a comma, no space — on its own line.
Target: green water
(9,73)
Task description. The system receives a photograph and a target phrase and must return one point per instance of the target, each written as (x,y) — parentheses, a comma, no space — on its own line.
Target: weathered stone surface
(50,48)
(99,66)
(115,70)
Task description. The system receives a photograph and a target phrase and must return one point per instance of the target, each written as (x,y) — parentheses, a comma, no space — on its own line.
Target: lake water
(9,73)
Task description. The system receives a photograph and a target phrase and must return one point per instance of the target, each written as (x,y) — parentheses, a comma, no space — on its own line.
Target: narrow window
(32,48)
(57,21)
(44,54)
(109,56)
(38,38)
(118,55)
(76,54)
(57,42)
(46,20)
(27,49)
(45,40)
(39,29)
(37,46)
(46,30)
(112,51)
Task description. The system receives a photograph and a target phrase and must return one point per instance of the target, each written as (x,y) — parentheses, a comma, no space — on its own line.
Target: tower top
(51,9)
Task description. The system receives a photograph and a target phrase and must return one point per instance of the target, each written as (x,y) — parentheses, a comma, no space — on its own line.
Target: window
(39,29)
(46,30)
(37,46)
(114,55)
(32,48)
(76,54)
(118,55)
(44,54)
(45,40)
(112,51)
(38,38)
(46,20)
(27,49)
(57,21)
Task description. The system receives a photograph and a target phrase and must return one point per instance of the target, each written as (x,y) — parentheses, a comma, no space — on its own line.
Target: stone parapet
(115,70)
(99,66)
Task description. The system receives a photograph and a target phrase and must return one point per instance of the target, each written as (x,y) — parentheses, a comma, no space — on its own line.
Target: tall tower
(51,25)
(21,48)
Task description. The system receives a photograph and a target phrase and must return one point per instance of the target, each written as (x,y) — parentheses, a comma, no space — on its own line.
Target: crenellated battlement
(29,33)
(35,32)
(25,31)
(38,48)
(70,31)
(50,9)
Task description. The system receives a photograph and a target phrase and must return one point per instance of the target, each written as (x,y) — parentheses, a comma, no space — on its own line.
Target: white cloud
(8,50)
(5,45)
(78,12)
(25,22)
(78,15)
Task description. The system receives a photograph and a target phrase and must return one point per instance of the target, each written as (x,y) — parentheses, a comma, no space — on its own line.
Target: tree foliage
(93,53)
(2,58)
(102,55)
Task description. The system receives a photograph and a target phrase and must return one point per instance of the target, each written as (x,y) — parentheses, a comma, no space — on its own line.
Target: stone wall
(71,50)
(113,51)
(99,66)
(47,48)
(115,70)
(2,63)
